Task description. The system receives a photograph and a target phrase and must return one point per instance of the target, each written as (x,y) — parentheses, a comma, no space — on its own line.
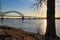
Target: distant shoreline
(29,18)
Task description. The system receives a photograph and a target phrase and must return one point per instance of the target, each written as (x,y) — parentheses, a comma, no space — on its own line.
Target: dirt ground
(8,33)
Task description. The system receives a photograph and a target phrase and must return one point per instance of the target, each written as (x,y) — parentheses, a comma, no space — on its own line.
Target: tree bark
(50,30)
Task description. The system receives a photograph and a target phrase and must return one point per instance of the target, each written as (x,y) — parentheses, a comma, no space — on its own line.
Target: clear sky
(24,6)
(57,8)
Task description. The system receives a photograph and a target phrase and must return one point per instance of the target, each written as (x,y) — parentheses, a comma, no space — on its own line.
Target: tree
(50,29)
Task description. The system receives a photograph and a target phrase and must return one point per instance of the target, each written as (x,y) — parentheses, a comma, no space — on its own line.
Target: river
(30,25)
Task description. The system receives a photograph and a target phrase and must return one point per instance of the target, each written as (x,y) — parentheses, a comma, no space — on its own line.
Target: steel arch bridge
(2,14)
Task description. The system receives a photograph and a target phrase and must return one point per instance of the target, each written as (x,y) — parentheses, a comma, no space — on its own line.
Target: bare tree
(50,29)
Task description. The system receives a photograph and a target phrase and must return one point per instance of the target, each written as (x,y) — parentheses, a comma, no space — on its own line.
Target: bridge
(3,15)
(25,17)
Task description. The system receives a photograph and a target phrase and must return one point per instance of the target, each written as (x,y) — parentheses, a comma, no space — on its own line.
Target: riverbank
(9,33)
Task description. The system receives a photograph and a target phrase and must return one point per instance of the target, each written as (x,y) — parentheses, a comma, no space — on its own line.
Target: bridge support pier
(22,18)
(2,17)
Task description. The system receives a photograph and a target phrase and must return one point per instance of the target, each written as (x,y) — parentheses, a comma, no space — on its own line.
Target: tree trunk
(50,30)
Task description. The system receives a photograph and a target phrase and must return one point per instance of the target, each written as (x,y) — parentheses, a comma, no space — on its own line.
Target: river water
(30,25)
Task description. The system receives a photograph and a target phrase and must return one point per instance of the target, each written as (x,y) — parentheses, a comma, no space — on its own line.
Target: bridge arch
(14,12)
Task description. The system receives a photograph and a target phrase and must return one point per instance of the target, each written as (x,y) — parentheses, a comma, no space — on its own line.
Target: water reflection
(27,25)
(58,27)
(30,25)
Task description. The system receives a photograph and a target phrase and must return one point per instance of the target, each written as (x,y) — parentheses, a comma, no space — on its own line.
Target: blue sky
(24,6)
